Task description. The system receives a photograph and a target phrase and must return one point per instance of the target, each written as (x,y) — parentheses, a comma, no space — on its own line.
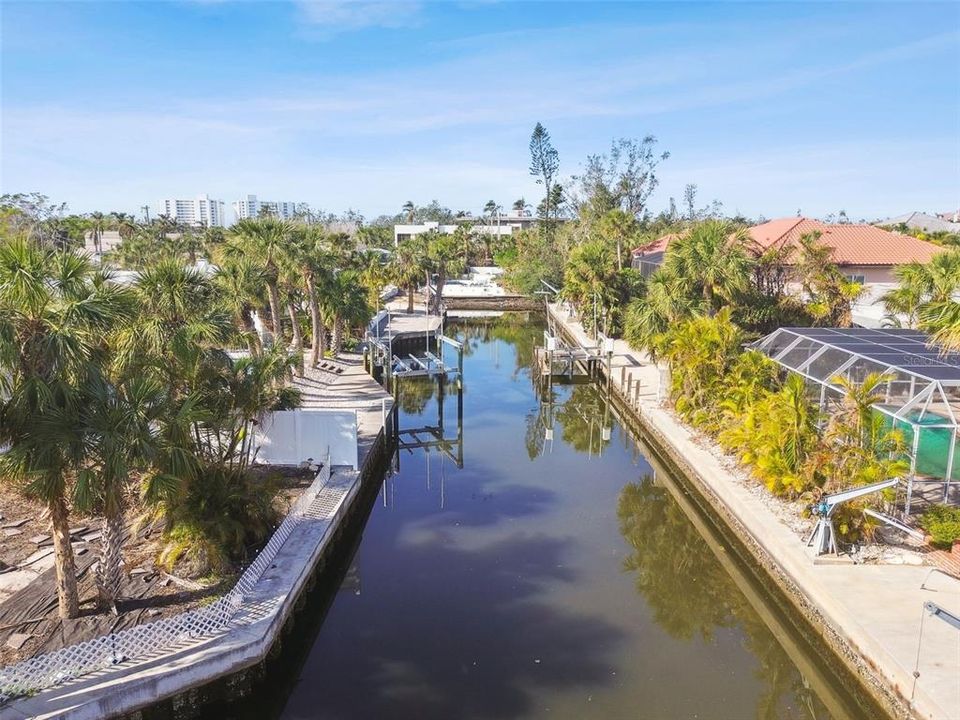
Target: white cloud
(341,15)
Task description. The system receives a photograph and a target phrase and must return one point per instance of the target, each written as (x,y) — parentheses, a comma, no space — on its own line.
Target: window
(857,279)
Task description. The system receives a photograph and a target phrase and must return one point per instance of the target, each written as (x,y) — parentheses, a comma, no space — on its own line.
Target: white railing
(147,641)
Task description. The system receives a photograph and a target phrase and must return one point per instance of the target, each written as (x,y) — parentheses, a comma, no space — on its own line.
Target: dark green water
(542,580)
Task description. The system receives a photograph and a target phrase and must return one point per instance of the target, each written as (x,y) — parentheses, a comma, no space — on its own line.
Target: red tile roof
(658,245)
(852,244)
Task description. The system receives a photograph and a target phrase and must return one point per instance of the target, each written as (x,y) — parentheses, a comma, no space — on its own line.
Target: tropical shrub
(771,424)
(943,524)
(775,436)
(700,352)
(221,515)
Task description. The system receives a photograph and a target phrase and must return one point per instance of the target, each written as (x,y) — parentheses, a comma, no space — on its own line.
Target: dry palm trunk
(316,327)
(337,340)
(275,319)
(437,299)
(297,337)
(110,564)
(410,298)
(250,330)
(67,597)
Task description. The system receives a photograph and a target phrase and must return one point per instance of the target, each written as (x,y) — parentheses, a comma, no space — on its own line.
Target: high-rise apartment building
(200,211)
(251,207)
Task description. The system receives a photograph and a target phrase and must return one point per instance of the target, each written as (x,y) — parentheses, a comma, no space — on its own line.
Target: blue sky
(768,107)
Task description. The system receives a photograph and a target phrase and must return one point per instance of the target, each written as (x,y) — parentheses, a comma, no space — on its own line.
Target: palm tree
(712,258)
(97,224)
(344,303)
(859,399)
(942,321)
(292,296)
(409,210)
(830,295)
(120,420)
(406,266)
(311,256)
(589,280)
(55,313)
(179,323)
(373,276)
(620,226)
(188,243)
(921,284)
(520,206)
(663,302)
(265,239)
(239,283)
(445,259)
(126,224)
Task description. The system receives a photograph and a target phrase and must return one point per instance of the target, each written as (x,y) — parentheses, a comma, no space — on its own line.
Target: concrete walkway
(875,609)
(404,324)
(352,389)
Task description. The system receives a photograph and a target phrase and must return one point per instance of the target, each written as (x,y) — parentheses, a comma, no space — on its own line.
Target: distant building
(952,216)
(251,207)
(202,211)
(503,226)
(516,222)
(922,221)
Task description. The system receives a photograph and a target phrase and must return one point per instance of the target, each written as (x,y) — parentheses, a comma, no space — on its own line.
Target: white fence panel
(290,437)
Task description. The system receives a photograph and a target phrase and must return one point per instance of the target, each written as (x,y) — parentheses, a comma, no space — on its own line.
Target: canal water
(553,575)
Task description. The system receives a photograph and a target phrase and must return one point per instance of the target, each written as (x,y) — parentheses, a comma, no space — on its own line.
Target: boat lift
(823,537)
(429,364)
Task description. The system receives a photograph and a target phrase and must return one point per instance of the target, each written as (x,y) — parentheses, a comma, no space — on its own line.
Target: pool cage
(921,396)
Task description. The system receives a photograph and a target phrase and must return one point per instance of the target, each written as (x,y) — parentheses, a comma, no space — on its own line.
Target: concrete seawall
(493,302)
(866,616)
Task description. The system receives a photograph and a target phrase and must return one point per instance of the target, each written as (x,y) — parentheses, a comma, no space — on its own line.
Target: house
(921,221)
(647,258)
(497,225)
(405,232)
(864,253)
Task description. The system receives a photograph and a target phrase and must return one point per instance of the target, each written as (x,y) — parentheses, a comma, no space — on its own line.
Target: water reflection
(585,419)
(519,331)
(583,414)
(547,577)
(692,595)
